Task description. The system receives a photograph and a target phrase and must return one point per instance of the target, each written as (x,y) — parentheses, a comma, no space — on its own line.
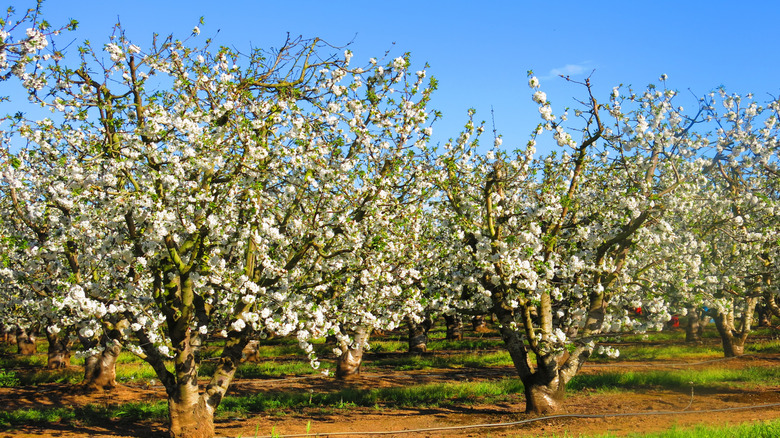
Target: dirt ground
(587,413)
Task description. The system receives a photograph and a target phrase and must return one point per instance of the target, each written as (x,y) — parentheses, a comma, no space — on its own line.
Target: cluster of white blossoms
(238,207)
(547,237)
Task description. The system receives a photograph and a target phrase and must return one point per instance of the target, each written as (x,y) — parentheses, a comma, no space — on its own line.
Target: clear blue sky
(480,50)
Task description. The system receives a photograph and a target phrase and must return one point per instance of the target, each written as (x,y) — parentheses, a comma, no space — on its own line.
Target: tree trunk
(454,327)
(418,335)
(25,342)
(251,352)
(543,395)
(732,347)
(479,324)
(764,315)
(348,363)
(59,351)
(697,320)
(189,414)
(190,410)
(100,368)
(734,334)
(8,334)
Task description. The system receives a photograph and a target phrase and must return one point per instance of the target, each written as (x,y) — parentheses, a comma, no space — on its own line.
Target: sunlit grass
(677,379)
(276,369)
(15,361)
(430,361)
(89,414)
(38,376)
(389,346)
(764,429)
(676,352)
(417,395)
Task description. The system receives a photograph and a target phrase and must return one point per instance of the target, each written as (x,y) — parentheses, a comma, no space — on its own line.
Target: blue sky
(480,51)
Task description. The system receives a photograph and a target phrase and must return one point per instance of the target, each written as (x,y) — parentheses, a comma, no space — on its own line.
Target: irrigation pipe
(516,423)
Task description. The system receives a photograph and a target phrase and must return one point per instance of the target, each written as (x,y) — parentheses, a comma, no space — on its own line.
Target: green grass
(765,429)
(36,416)
(677,379)
(267,369)
(13,361)
(418,395)
(467,344)
(89,414)
(674,352)
(38,376)
(424,362)
(770,429)
(8,379)
(768,346)
(682,351)
(388,346)
(134,372)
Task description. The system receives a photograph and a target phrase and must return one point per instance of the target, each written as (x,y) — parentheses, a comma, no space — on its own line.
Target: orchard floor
(459,418)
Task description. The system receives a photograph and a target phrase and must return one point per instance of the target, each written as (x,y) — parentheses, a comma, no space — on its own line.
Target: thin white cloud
(583,68)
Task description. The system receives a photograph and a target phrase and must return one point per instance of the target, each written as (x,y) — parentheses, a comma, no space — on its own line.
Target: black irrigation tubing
(516,423)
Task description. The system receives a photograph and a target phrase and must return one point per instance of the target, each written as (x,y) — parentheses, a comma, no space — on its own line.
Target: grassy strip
(90,414)
(676,379)
(764,429)
(424,362)
(421,395)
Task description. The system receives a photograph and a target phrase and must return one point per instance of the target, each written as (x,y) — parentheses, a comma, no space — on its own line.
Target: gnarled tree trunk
(479,324)
(100,368)
(454,327)
(189,414)
(418,335)
(190,410)
(25,342)
(543,394)
(348,364)
(733,332)
(764,315)
(8,334)
(251,352)
(545,381)
(59,351)
(694,329)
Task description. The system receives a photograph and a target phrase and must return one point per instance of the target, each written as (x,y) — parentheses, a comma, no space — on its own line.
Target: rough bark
(348,364)
(454,327)
(418,335)
(545,384)
(694,329)
(479,324)
(189,414)
(543,394)
(734,333)
(8,334)
(100,368)
(59,351)
(250,353)
(190,410)
(771,302)
(764,315)
(25,342)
